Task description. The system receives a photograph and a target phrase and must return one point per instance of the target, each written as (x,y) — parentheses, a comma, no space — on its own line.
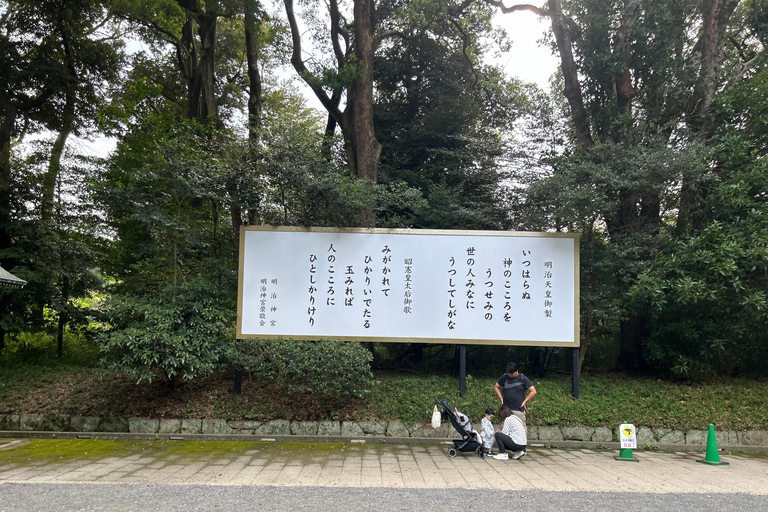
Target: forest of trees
(651,145)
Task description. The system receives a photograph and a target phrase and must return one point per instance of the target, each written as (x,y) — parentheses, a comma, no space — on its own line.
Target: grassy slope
(606,400)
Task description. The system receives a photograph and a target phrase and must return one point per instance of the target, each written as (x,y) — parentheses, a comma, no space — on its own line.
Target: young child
(486,430)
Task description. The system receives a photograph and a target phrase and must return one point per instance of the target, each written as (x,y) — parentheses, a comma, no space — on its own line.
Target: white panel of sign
(409,285)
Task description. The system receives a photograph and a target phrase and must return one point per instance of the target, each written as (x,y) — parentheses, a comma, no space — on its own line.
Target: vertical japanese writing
(263,303)
(470,276)
(526,274)
(548,299)
(330,299)
(349,291)
(273,297)
(451,294)
(407,300)
(367,293)
(488,295)
(386,270)
(311,310)
(507,288)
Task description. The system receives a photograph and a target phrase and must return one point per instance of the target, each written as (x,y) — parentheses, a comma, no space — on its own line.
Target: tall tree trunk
(60,335)
(254,77)
(626,221)
(715,17)
(197,59)
(189,61)
(330,128)
(252,30)
(356,122)
(9,112)
(368,149)
(54,164)
(631,334)
(209,108)
(570,75)
(622,48)
(586,340)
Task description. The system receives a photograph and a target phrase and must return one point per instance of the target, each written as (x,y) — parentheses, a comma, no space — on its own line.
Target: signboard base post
(462,369)
(575,376)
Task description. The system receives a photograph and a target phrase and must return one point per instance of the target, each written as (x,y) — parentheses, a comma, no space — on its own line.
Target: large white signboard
(482,287)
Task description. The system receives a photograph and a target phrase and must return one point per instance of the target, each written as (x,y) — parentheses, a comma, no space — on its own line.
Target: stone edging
(646,436)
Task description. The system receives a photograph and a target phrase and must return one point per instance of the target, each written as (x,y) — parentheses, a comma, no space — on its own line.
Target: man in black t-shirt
(515,390)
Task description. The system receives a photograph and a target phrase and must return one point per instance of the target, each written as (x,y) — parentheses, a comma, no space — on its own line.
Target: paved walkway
(370,465)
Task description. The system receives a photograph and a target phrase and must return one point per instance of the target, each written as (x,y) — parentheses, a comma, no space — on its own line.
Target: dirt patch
(89,394)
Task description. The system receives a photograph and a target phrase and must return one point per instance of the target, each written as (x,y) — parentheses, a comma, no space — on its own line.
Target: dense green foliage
(707,289)
(442,116)
(330,369)
(179,333)
(663,181)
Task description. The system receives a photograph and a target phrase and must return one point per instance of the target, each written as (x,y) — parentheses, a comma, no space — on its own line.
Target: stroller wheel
(452,452)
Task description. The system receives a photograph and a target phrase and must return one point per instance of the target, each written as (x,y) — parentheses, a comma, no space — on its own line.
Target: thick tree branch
(739,75)
(26,103)
(519,7)
(572,89)
(387,34)
(464,46)
(561,26)
(298,64)
(99,25)
(336,33)
(715,17)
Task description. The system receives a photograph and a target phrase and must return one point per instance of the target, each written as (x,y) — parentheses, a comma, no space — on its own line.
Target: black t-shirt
(513,390)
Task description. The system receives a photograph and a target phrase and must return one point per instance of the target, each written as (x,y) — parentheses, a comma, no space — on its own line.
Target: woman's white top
(515,428)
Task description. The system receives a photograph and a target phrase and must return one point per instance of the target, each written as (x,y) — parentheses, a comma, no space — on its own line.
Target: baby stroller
(470,440)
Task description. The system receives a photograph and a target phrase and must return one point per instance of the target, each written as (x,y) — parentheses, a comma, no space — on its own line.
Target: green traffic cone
(712,456)
(626,454)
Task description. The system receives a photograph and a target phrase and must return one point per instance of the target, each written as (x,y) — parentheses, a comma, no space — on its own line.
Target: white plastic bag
(436,418)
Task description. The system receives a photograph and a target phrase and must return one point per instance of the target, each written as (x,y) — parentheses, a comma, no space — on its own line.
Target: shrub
(39,348)
(181,332)
(328,368)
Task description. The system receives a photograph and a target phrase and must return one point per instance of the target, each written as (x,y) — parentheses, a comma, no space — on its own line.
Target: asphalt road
(187,498)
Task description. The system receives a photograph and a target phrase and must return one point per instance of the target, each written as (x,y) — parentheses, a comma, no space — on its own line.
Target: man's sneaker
(501,456)
(519,454)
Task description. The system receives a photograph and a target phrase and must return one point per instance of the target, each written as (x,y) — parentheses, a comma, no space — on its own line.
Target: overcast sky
(527,59)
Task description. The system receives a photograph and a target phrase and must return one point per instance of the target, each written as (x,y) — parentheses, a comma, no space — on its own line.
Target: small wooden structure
(8,279)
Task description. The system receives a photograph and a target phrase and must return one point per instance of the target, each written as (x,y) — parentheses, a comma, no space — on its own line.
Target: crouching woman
(512,435)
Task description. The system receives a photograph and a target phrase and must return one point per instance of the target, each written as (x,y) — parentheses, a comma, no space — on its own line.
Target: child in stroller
(470,440)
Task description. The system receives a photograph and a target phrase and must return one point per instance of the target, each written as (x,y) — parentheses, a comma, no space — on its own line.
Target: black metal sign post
(462,369)
(575,373)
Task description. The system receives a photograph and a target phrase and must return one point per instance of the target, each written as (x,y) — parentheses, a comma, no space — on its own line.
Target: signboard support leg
(238,381)
(462,369)
(575,373)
